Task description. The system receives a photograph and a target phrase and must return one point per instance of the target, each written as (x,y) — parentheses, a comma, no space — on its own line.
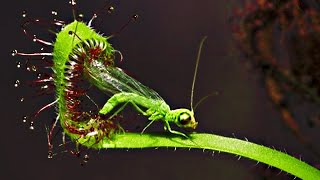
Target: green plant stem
(213,142)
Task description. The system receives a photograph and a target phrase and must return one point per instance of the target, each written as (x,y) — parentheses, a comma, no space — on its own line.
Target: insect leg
(109,106)
(138,108)
(147,126)
(118,99)
(92,100)
(112,103)
(167,127)
(119,110)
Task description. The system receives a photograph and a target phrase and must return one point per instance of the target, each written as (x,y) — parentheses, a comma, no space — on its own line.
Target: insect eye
(184,118)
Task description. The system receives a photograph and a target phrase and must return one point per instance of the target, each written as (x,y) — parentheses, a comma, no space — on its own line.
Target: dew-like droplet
(86,158)
(24,119)
(45,87)
(41,49)
(34,38)
(33,68)
(16,83)
(24,14)
(18,64)
(28,68)
(50,155)
(14,52)
(39,76)
(76,153)
(80,17)
(110,9)
(72,2)
(22,99)
(54,13)
(31,126)
(135,17)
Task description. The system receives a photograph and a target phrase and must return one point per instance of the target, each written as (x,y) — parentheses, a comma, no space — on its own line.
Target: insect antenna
(110,10)
(133,18)
(73,4)
(92,101)
(196,71)
(75,34)
(204,98)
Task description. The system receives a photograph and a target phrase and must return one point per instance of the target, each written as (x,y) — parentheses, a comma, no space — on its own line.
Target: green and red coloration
(79,52)
(75,44)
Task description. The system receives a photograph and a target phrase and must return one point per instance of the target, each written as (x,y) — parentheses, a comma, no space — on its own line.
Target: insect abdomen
(121,98)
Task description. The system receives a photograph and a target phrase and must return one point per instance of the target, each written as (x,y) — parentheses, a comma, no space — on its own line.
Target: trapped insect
(126,90)
(81,54)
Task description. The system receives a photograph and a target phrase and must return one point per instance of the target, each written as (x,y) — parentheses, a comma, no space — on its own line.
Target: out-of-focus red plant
(281,38)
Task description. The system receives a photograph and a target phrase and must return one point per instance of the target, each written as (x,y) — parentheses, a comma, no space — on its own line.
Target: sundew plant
(81,58)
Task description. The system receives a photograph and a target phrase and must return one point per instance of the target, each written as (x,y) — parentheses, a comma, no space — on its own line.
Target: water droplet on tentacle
(50,155)
(24,14)
(32,68)
(80,17)
(110,9)
(16,83)
(34,38)
(45,87)
(135,17)
(72,2)
(55,13)
(24,119)
(14,52)
(31,126)
(86,158)
(18,64)
(39,76)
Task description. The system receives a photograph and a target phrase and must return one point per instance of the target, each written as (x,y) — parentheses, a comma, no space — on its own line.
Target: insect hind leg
(109,106)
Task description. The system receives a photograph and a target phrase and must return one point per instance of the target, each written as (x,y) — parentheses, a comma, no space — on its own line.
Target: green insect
(126,90)
(80,53)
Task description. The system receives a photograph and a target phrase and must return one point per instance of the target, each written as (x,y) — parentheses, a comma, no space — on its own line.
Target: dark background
(160,50)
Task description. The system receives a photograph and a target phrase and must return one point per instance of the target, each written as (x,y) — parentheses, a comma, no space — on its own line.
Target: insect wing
(112,80)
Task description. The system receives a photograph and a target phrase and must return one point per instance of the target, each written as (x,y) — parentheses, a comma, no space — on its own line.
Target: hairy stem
(213,142)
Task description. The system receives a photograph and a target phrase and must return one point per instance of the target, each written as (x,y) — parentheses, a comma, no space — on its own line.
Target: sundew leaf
(213,142)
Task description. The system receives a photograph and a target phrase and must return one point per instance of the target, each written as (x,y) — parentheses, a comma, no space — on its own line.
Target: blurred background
(261,56)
